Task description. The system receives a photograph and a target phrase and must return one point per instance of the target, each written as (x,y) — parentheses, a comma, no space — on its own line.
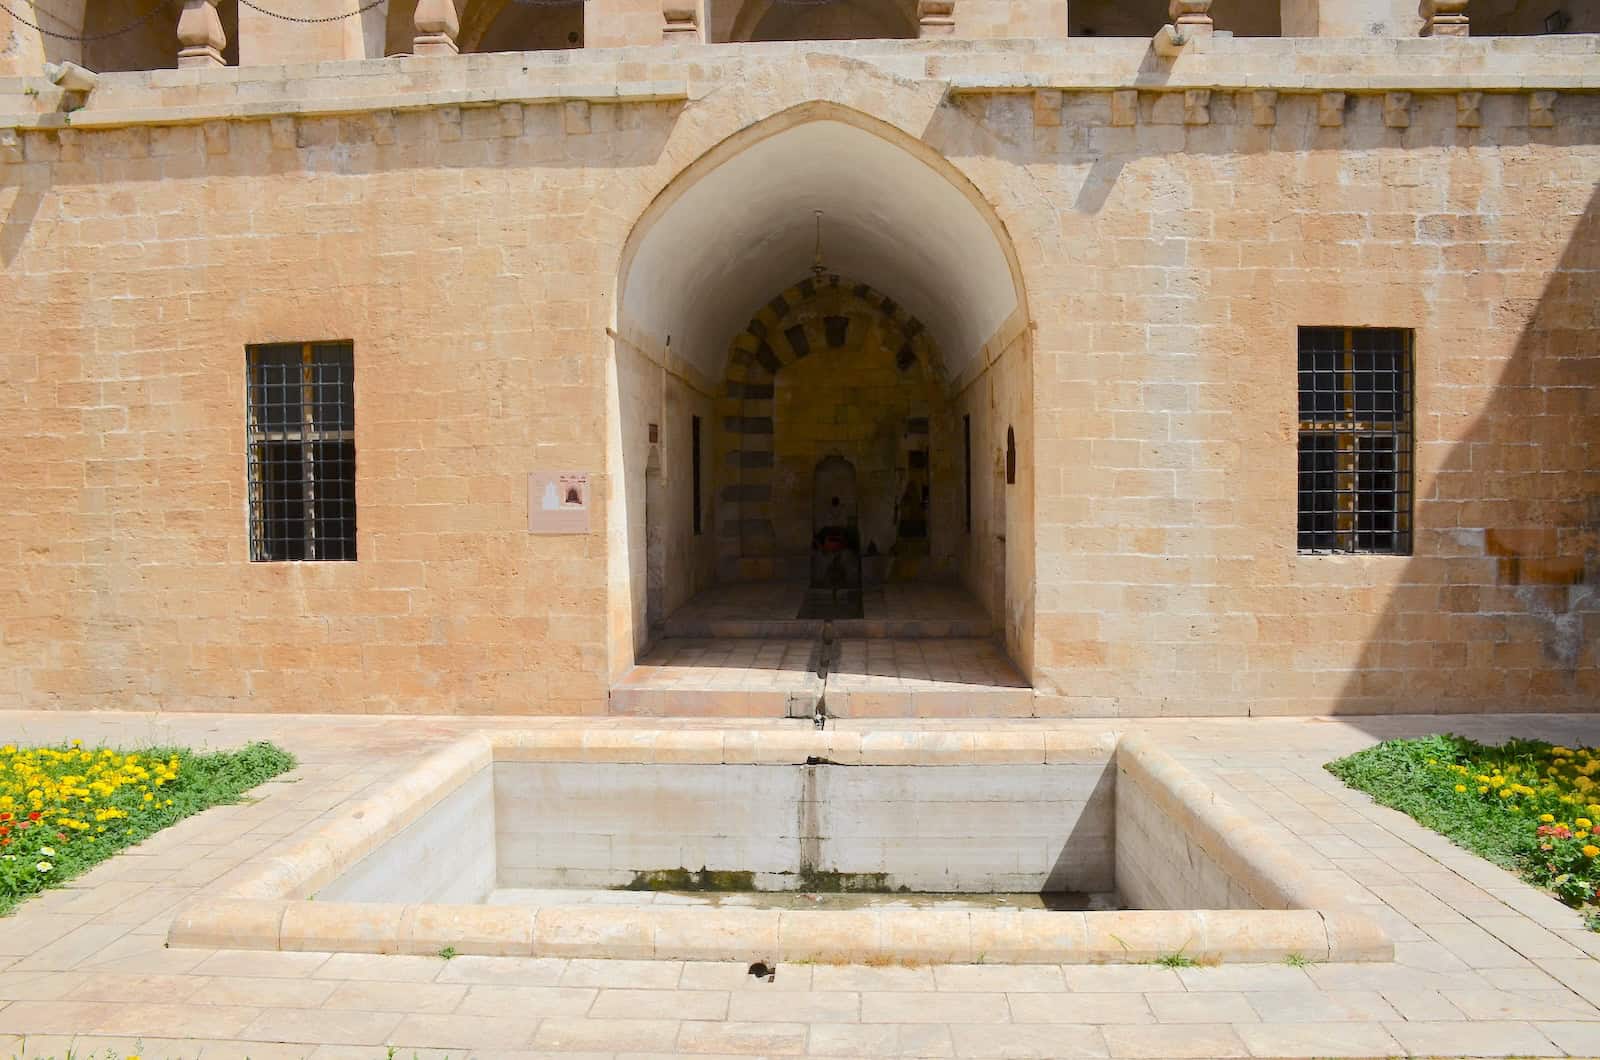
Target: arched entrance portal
(839,382)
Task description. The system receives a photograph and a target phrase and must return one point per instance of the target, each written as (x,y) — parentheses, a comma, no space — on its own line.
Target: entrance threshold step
(680,626)
(962,677)
(774,609)
(724,677)
(955,677)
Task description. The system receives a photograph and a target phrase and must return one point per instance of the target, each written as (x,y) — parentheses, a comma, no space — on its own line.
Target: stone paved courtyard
(1485,965)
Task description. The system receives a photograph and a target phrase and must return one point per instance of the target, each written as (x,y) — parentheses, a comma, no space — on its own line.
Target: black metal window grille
(694,441)
(1355,440)
(300,433)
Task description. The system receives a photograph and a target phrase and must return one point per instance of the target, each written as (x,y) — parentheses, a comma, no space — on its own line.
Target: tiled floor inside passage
(898,609)
(1486,966)
(919,650)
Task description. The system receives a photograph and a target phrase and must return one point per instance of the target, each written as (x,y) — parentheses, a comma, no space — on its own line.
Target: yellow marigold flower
(1584,822)
(1547,817)
(1590,850)
(1460,788)
(1506,793)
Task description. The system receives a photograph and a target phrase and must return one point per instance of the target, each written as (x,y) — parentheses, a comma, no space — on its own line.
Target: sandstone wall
(1170,241)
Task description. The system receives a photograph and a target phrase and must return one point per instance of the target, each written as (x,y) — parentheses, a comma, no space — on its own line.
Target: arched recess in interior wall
(151,44)
(496,25)
(1142,18)
(775,20)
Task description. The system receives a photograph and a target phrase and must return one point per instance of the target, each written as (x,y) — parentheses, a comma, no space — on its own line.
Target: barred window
(1355,440)
(302,451)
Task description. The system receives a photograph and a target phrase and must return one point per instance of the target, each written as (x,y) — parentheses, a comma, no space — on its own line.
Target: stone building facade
(1232,357)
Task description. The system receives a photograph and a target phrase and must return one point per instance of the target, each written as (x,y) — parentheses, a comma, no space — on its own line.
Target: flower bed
(65,809)
(1526,805)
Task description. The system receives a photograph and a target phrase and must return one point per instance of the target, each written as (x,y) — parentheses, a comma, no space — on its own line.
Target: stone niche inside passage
(861,433)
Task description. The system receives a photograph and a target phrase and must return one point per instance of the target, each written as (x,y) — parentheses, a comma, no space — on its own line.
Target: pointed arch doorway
(896,348)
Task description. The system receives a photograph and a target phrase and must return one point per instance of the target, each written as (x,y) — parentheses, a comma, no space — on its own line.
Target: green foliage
(202,780)
(1491,800)
(447,953)
(1176,960)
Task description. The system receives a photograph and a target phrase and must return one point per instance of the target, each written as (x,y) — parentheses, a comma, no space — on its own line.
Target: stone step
(772,610)
(954,677)
(776,677)
(951,677)
(692,626)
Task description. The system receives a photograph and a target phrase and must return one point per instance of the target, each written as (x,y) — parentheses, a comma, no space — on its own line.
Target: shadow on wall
(1142,18)
(124,35)
(495,25)
(1499,607)
(1492,18)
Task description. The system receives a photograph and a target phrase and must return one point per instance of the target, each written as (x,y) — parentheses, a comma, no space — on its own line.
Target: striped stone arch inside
(819,315)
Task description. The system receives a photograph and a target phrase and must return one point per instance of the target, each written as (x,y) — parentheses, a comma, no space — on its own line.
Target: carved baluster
(1445,18)
(936,18)
(1190,16)
(437,27)
(682,19)
(200,36)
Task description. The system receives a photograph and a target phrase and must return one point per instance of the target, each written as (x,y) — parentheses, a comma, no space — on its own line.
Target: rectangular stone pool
(792,844)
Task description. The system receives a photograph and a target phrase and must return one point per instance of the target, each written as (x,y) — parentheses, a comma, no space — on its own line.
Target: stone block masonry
(461,221)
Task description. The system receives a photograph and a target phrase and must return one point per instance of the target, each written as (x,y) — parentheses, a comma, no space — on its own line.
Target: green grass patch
(65,809)
(1526,805)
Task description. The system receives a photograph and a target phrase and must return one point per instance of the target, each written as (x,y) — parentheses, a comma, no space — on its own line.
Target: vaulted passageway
(820,351)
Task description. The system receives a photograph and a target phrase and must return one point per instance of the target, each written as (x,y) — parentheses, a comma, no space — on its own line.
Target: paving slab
(1484,965)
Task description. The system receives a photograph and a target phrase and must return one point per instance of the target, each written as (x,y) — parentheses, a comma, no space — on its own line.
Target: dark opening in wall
(1142,18)
(520,26)
(763,20)
(694,444)
(1519,18)
(966,467)
(1011,457)
(137,34)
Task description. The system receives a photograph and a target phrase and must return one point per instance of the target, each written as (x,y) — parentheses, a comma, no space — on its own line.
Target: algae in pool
(814,889)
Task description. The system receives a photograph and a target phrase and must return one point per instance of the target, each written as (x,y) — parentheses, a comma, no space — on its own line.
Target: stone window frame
(300,451)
